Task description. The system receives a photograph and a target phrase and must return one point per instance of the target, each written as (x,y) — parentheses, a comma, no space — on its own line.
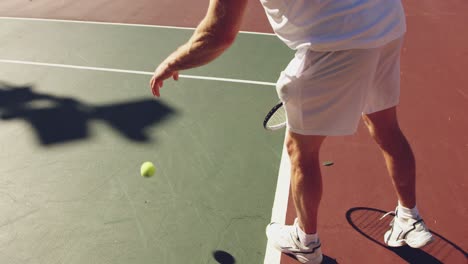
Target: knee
(392,141)
(384,134)
(383,126)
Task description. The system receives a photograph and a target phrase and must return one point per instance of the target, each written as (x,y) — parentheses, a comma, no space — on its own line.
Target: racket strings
(278,118)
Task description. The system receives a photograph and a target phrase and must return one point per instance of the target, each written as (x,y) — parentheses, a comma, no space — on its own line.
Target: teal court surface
(78,119)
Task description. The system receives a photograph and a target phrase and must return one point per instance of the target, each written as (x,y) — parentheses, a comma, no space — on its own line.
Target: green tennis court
(78,119)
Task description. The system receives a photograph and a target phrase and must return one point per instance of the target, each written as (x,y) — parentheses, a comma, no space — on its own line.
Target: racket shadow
(368,222)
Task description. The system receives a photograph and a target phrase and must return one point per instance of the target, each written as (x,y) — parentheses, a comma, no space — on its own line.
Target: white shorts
(325,93)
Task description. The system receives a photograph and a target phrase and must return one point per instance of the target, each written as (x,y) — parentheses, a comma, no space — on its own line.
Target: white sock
(306,239)
(407,212)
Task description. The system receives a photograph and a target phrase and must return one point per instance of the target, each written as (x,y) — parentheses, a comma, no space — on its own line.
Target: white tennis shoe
(286,240)
(407,231)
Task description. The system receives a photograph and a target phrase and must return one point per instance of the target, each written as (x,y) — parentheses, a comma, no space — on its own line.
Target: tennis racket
(276,118)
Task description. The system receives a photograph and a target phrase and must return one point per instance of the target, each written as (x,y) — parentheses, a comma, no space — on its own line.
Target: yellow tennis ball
(147,169)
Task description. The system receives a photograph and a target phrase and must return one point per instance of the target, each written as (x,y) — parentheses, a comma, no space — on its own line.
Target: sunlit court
(78,119)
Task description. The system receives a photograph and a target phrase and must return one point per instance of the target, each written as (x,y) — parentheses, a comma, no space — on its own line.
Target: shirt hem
(355,45)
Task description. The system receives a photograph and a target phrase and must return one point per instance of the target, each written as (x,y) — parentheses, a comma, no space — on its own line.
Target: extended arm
(215,33)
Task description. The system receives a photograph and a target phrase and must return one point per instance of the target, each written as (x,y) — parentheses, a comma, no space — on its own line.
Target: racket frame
(270,114)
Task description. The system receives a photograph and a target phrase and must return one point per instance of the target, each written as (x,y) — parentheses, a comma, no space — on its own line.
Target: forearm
(203,47)
(215,33)
(212,37)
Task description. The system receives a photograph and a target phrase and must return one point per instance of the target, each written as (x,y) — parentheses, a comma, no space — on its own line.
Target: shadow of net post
(132,118)
(61,119)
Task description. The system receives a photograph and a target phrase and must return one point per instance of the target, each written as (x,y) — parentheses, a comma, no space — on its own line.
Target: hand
(162,73)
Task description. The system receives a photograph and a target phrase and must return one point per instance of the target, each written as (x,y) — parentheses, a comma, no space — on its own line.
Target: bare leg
(306,179)
(399,158)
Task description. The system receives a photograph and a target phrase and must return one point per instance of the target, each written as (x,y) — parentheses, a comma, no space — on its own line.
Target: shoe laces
(418,222)
(387,214)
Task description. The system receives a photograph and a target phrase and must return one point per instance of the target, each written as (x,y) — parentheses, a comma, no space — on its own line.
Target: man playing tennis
(346,66)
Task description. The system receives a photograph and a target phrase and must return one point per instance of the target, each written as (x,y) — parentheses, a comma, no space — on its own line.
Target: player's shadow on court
(59,119)
(368,222)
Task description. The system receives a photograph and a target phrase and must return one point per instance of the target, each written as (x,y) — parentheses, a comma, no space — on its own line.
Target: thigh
(385,89)
(324,93)
(303,147)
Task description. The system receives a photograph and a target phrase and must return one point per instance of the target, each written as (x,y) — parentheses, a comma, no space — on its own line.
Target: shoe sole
(317,260)
(296,255)
(299,257)
(421,241)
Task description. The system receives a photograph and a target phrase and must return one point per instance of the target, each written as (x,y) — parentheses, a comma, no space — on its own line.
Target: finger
(175,76)
(160,85)
(156,87)
(152,85)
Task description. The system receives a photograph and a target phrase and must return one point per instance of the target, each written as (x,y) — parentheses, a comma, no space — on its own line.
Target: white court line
(77,67)
(280,205)
(117,24)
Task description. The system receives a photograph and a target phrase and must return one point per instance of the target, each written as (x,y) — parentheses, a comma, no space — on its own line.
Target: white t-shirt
(329,25)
